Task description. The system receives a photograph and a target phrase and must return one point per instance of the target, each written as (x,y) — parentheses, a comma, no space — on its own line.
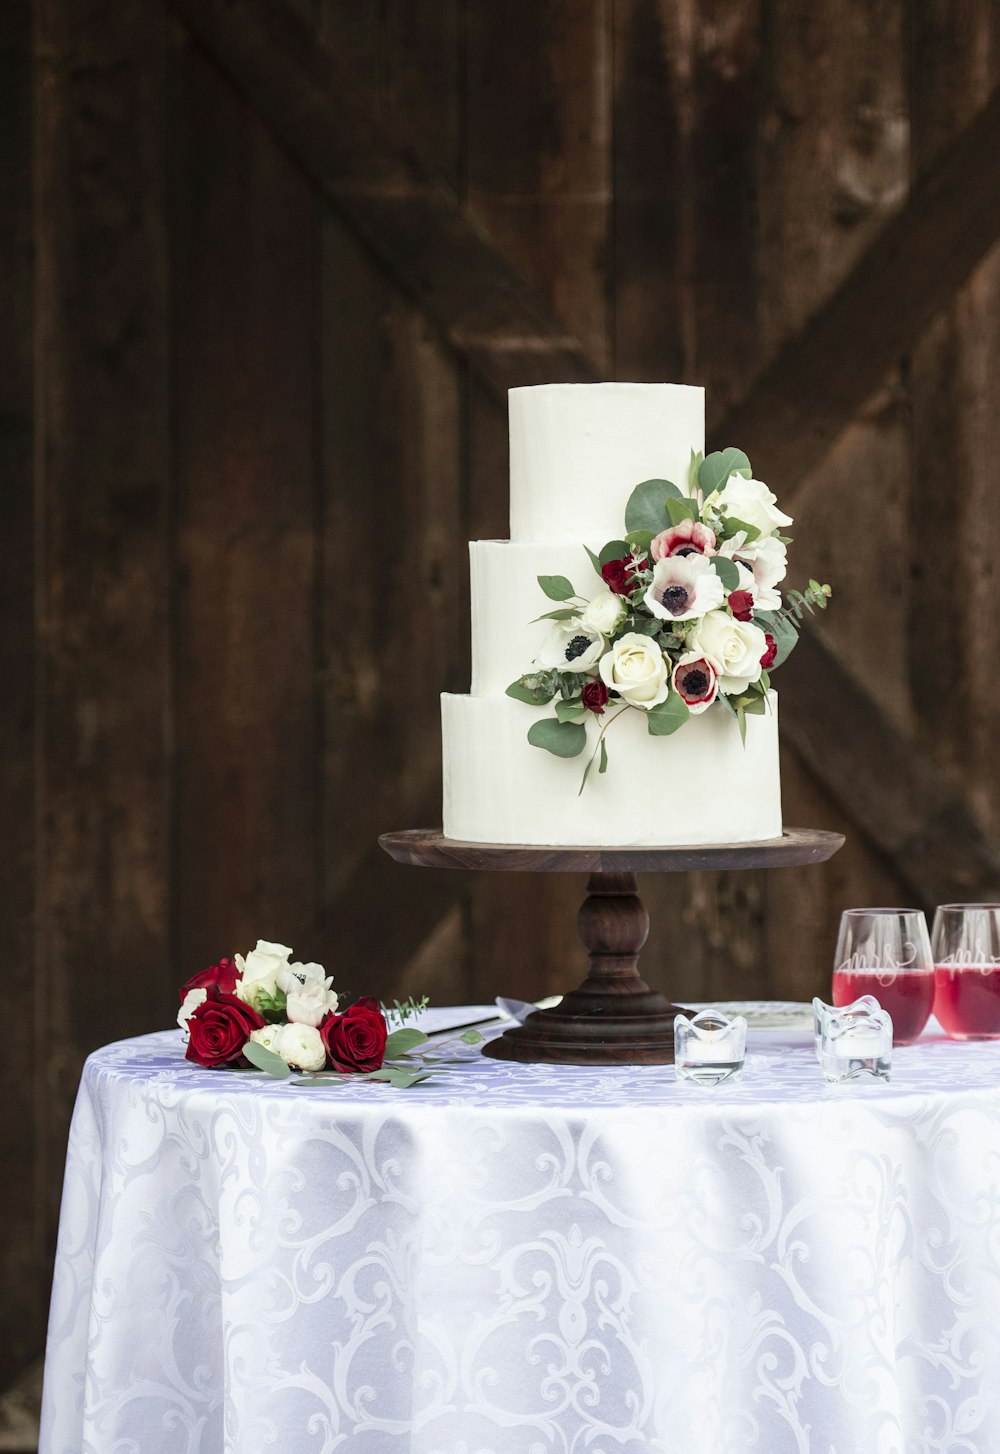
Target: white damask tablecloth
(518,1259)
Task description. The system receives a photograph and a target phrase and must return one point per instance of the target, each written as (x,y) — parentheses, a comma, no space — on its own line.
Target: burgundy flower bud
(595,697)
(741,605)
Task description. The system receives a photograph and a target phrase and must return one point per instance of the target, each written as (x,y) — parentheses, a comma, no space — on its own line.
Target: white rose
(636,669)
(292,976)
(300,1046)
(750,501)
(571,646)
(266,1036)
(308,1003)
(192,1000)
(260,969)
(733,647)
(683,588)
(604,613)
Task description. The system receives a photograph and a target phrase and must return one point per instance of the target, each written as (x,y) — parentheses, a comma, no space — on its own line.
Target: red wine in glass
(967,1000)
(907,994)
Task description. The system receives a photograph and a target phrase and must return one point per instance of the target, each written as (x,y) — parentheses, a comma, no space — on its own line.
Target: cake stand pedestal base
(614,1018)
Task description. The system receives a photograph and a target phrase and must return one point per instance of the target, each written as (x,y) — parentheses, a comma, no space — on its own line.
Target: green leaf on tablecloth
(471,1037)
(647,505)
(400,1042)
(266,1060)
(563,739)
(398,1078)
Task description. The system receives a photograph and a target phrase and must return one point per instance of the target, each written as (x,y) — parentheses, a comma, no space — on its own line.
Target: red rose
(741,605)
(222,975)
(356,1039)
(618,577)
(219,1029)
(767,660)
(595,697)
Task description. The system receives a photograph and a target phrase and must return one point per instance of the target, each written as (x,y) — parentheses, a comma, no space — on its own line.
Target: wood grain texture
(22,1262)
(245,296)
(102,451)
(404,211)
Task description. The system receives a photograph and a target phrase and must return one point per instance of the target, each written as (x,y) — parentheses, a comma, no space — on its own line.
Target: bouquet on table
(264,1012)
(688,613)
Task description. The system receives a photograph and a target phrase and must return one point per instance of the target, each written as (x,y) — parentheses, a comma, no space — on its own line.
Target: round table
(527,1258)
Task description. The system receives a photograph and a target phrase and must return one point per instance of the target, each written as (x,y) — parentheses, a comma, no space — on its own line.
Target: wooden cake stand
(614,1018)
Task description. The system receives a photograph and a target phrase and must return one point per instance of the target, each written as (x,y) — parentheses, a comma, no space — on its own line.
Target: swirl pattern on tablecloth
(528,1258)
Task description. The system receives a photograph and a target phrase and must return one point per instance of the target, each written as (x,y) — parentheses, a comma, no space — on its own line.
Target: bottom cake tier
(702,785)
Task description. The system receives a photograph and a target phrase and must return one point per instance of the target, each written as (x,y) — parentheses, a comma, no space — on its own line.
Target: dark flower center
(675,598)
(577,647)
(686,550)
(696,682)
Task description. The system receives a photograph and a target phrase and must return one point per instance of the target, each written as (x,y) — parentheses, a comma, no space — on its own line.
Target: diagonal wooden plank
(438,253)
(406,214)
(815,386)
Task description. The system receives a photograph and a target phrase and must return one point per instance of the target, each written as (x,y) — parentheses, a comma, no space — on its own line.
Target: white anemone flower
(684,587)
(571,646)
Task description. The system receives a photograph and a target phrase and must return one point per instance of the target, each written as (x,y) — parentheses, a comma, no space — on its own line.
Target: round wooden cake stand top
(614,1018)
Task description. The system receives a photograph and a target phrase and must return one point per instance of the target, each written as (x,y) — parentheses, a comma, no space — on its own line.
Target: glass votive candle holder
(709,1048)
(853,1042)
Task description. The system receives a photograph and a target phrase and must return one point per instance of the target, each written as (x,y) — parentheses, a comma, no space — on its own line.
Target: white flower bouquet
(688,616)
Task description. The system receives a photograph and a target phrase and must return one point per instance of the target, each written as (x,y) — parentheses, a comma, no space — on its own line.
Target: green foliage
(665,719)
(562,739)
(565,613)
(647,506)
(603,765)
(470,1037)
(571,710)
(400,1042)
(715,469)
(536,688)
(595,562)
(727,571)
(732,526)
(679,510)
(266,1060)
(640,541)
(404,1010)
(557,588)
(693,469)
(614,550)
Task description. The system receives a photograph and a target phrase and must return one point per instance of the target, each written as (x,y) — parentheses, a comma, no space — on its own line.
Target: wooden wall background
(268,268)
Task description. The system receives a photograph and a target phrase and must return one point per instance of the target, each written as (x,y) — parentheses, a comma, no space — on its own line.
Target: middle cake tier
(506,599)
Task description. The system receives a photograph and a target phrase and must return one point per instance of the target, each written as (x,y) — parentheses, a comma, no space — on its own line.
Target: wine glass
(887,953)
(966,943)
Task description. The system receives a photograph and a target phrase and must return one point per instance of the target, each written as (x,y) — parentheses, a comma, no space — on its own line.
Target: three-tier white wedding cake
(577,451)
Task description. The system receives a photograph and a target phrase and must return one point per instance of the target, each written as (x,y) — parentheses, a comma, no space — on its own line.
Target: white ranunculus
(684,587)
(308,1003)
(292,976)
(604,613)
(637,670)
(733,647)
(192,1000)
(260,969)
(750,501)
(266,1036)
(571,646)
(300,1046)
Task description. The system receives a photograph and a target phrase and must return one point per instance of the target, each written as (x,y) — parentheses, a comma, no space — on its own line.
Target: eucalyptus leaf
(266,1060)
(603,764)
(640,541)
(715,469)
(734,526)
(663,720)
(565,613)
(471,1037)
(562,739)
(647,506)
(595,562)
(756,707)
(693,468)
(536,691)
(557,588)
(646,626)
(614,550)
(742,720)
(399,1079)
(570,711)
(727,571)
(679,510)
(785,634)
(400,1042)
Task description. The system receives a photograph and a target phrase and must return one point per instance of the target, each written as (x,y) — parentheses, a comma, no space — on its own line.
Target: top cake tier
(577,451)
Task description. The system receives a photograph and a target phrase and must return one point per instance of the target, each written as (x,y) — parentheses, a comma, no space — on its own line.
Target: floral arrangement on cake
(262,1011)
(688,615)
